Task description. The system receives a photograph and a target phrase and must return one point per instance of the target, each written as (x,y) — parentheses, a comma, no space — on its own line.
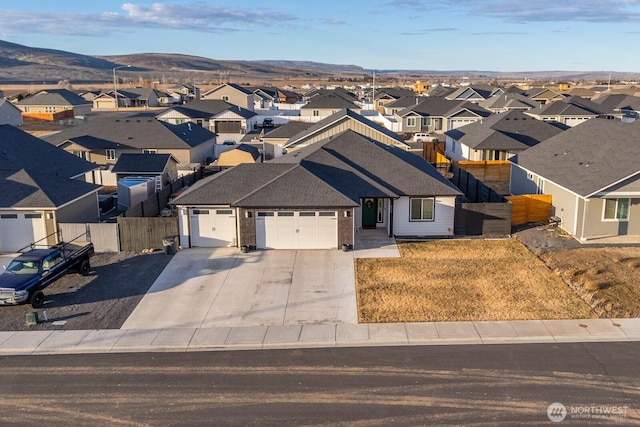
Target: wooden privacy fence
(487,170)
(104,236)
(138,233)
(482,219)
(530,208)
(475,190)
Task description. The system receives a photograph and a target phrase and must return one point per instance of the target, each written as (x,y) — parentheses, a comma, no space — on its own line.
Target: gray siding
(596,226)
(629,185)
(84,209)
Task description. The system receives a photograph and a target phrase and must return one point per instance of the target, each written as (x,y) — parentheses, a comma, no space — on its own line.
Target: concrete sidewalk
(308,336)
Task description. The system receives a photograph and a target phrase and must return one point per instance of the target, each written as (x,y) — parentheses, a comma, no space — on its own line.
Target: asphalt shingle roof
(137,132)
(587,158)
(54,97)
(141,163)
(507,131)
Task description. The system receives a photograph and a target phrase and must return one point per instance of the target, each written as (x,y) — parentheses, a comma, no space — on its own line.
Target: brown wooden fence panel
(530,208)
(138,233)
(488,170)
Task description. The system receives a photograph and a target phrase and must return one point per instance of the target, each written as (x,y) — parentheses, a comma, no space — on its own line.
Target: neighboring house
(132,97)
(400,104)
(163,167)
(438,91)
(52,105)
(275,140)
(243,153)
(542,96)
(592,172)
(184,92)
(582,93)
(89,95)
(9,113)
(318,198)
(624,107)
(103,140)
(507,102)
(439,115)
(385,96)
(233,94)
(339,122)
(216,115)
(474,94)
(570,111)
(339,91)
(42,186)
(499,137)
(320,107)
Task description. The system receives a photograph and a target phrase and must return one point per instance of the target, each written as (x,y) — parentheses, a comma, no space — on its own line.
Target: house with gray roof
(623,107)
(274,141)
(570,111)
(499,137)
(475,94)
(592,171)
(318,198)
(53,105)
(139,97)
(214,114)
(103,140)
(233,94)
(439,115)
(320,107)
(42,186)
(507,102)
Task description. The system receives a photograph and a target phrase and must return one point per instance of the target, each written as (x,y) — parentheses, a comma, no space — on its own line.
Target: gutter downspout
(390,218)
(584,219)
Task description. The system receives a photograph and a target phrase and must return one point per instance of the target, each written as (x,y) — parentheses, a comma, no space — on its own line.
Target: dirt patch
(463,280)
(102,300)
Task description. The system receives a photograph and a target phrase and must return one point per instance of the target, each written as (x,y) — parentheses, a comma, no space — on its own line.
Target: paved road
(446,385)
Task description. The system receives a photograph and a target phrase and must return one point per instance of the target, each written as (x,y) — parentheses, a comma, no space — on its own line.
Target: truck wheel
(37,299)
(85,267)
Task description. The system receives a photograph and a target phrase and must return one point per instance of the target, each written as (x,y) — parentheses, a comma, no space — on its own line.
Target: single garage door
(213,227)
(573,121)
(297,230)
(232,126)
(19,229)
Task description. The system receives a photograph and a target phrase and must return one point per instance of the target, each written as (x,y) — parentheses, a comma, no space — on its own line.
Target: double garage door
(19,229)
(296,230)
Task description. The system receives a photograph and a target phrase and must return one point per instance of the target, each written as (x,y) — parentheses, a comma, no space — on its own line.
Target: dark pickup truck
(28,274)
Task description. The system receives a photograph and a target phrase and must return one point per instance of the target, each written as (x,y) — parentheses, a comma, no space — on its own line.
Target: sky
(491,35)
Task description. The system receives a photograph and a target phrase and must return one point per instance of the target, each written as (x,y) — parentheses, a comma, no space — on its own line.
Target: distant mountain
(20,63)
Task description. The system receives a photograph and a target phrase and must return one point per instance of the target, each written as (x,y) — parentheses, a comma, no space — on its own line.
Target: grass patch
(455,280)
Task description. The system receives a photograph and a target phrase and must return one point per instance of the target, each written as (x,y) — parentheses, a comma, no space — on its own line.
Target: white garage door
(212,228)
(19,229)
(573,121)
(455,124)
(297,230)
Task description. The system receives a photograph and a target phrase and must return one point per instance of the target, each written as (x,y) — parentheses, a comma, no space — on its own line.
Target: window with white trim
(421,209)
(616,209)
(411,121)
(111,154)
(149,151)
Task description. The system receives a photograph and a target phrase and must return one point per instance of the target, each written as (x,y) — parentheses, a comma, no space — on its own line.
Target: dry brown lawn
(455,280)
(608,279)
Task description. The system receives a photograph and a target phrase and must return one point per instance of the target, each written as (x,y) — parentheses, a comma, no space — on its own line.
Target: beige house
(232,93)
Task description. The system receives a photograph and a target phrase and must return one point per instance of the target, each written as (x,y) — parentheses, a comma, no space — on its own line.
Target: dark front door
(369,212)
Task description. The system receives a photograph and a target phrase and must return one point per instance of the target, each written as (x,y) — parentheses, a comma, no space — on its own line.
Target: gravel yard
(102,300)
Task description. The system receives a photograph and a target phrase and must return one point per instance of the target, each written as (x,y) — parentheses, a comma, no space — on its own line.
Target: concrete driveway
(213,287)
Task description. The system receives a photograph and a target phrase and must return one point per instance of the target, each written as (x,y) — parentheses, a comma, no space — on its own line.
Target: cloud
(518,11)
(333,22)
(192,16)
(499,33)
(429,31)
